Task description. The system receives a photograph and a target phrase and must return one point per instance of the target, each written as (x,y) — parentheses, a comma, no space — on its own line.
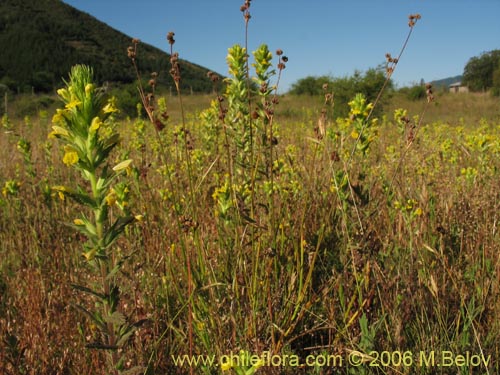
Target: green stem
(105,265)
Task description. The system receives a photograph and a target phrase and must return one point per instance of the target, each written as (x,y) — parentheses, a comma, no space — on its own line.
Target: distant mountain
(445,82)
(41,39)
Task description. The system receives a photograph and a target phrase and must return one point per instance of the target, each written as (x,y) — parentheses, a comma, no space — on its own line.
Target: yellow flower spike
(123,165)
(61,195)
(139,218)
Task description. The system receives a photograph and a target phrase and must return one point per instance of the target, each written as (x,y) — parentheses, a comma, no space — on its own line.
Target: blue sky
(320,37)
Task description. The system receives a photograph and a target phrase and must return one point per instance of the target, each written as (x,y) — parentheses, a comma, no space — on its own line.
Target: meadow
(247,222)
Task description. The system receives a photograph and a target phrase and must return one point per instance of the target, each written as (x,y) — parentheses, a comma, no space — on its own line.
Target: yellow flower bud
(90,255)
(88,89)
(96,124)
(123,165)
(57,130)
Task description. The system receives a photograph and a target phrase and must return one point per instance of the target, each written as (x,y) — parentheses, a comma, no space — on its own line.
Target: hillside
(41,39)
(445,82)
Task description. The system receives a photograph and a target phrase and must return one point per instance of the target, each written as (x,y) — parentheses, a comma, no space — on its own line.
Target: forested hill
(41,39)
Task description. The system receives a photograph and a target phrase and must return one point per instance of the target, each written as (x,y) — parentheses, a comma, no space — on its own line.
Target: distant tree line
(482,73)
(344,89)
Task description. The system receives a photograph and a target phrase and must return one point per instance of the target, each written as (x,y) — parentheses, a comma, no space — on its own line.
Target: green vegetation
(273,232)
(42,39)
(483,72)
(369,83)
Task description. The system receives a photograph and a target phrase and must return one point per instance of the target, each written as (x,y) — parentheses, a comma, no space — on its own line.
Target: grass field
(248,232)
(394,257)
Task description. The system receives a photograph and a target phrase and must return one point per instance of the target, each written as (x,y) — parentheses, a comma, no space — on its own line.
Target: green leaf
(125,336)
(79,196)
(95,317)
(84,289)
(116,229)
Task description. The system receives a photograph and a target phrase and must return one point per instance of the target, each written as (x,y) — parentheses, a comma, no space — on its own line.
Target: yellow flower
(418,212)
(89,255)
(73,104)
(354,134)
(110,107)
(139,217)
(58,117)
(89,88)
(78,222)
(70,157)
(60,191)
(111,198)
(226,366)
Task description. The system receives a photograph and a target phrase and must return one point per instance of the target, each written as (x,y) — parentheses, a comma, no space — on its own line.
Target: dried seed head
(281,66)
(284,59)
(413,18)
(279,52)
(212,76)
(170,38)
(159,125)
(136,41)
(325,86)
(428,91)
(131,52)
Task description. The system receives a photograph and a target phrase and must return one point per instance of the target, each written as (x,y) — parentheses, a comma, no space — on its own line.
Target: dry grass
(425,279)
